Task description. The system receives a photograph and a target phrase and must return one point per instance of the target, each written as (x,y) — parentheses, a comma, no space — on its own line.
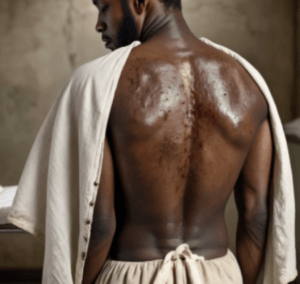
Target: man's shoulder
(100,64)
(247,90)
(143,67)
(229,73)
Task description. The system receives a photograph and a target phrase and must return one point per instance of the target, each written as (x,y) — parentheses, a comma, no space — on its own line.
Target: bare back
(180,128)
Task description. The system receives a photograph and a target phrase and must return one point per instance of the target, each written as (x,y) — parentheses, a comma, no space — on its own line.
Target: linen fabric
(179,266)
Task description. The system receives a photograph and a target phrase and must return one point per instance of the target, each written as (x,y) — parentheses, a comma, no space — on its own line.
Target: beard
(128,31)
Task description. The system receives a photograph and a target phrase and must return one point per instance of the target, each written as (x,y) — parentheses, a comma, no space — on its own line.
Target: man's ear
(140,5)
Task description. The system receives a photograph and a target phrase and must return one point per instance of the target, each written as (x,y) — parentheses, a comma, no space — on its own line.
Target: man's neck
(166,26)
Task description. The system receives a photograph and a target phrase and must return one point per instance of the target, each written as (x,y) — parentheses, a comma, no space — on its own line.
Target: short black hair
(172,4)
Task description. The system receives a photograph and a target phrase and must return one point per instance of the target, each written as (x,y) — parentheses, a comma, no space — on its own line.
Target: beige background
(43,41)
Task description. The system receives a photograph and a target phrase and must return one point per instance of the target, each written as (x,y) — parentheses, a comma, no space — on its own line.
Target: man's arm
(104,221)
(251,196)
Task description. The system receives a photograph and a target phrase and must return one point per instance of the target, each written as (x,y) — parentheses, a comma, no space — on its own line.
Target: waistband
(182,251)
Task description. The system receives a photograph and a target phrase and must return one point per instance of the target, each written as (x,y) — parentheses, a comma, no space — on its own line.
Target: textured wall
(43,41)
(296,111)
(294,150)
(21,251)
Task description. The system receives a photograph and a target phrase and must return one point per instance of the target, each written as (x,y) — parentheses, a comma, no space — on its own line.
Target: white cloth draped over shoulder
(62,173)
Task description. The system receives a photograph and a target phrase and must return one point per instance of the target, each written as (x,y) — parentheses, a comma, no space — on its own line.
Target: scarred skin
(180,128)
(188,125)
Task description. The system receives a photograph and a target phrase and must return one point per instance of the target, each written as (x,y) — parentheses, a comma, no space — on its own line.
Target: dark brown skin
(187,126)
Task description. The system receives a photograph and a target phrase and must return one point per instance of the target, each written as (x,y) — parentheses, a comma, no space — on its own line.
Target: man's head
(122,21)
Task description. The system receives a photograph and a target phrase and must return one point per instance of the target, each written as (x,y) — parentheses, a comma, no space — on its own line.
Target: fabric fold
(182,252)
(178,266)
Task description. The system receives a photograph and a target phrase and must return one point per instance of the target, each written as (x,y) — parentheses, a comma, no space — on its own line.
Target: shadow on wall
(292,132)
(294,150)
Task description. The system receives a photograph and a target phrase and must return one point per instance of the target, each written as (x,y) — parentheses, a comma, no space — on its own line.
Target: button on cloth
(184,253)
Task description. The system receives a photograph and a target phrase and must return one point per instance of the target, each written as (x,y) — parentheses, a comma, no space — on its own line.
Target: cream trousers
(179,266)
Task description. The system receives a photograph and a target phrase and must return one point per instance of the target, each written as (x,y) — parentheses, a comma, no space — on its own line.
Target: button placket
(92,203)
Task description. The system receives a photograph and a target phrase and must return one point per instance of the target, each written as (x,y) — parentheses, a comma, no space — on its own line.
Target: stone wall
(296,112)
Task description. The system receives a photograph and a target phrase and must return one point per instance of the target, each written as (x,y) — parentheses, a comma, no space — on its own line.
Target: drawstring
(181,252)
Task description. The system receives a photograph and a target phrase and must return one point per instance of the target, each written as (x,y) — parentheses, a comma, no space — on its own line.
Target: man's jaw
(108,42)
(108,45)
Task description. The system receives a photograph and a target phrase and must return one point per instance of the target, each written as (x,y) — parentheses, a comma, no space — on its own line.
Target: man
(187,126)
